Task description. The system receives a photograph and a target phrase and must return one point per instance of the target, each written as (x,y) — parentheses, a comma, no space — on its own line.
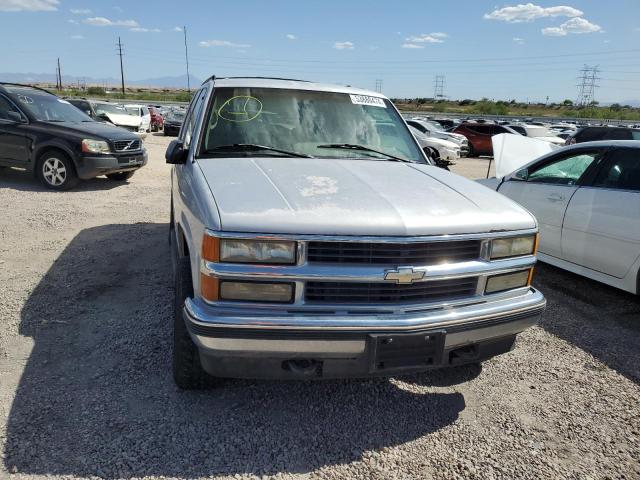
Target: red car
(479,136)
(157,121)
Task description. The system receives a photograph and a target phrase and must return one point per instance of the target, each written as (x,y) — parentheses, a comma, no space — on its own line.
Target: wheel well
(57,150)
(183,246)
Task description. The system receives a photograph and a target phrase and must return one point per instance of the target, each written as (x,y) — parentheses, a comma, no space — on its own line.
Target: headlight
(95,146)
(230,250)
(256,291)
(508,281)
(513,247)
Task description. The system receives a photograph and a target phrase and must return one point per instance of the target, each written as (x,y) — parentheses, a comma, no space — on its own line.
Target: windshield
(538,132)
(110,108)
(48,108)
(315,123)
(435,126)
(133,111)
(177,115)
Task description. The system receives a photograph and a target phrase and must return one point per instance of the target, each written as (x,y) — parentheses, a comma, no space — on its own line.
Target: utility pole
(587,85)
(121,68)
(59,79)
(438,85)
(186,56)
(379,85)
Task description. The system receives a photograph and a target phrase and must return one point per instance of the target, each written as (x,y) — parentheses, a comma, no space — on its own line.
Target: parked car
(87,107)
(435,130)
(50,137)
(447,123)
(586,198)
(536,131)
(157,120)
(312,239)
(141,111)
(479,136)
(436,148)
(118,115)
(590,134)
(173,122)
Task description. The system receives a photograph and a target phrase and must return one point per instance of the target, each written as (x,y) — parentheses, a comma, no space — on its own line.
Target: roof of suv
(259,82)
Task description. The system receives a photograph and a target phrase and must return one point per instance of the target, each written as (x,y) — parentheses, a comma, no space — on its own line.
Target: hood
(512,152)
(353,197)
(123,119)
(438,143)
(91,129)
(553,139)
(458,137)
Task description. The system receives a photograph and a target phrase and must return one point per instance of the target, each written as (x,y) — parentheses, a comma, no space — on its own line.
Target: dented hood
(512,152)
(353,197)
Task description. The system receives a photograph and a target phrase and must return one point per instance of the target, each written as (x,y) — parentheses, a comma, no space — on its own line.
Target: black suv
(60,144)
(591,134)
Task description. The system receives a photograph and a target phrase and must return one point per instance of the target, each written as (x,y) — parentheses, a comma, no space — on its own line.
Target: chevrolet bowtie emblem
(404,275)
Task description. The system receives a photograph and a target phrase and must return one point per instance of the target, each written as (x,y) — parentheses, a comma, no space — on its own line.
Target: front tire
(120,176)
(56,171)
(471,152)
(188,373)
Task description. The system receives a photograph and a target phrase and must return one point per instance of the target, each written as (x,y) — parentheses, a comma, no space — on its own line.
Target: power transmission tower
(119,45)
(438,87)
(379,85)
(186,56)
(588,84)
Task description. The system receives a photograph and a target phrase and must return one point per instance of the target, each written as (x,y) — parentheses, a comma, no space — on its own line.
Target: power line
(119,45)
(587,85)
(438,87)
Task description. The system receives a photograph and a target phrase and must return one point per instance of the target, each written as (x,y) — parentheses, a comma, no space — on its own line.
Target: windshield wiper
(362,148)
(248,147)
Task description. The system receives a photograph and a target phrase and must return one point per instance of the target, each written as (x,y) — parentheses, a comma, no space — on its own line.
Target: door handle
(555,197)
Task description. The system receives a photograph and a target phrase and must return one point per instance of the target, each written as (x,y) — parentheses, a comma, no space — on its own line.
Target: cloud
(80,11)
(529,12)
(118,9)
(518,40)
(575,25)
(77,37)
(144,30)
(177,29)
(223,43)
(435,37)
(28,5)
(105,22)
(291,36)
(411,45)
(344,46)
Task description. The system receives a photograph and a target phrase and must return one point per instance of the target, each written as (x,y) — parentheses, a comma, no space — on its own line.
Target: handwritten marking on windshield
(241,108)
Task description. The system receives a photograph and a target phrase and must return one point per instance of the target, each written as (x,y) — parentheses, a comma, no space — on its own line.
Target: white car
(538,132)
(586,199)
(119,116)
(445,150)
(435,130)
(142,112)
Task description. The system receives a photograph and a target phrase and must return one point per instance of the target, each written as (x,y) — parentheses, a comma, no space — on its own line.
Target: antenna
(119,45)
(186,56)
(587,85)
(438,90)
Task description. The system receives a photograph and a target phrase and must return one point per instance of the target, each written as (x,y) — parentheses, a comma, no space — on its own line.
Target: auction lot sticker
(367,100)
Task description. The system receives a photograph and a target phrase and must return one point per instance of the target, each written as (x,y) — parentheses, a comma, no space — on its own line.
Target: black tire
(188,373)
(472,152)
(56,171)
(120,176)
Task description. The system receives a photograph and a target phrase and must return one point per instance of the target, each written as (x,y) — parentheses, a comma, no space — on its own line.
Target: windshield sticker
(25,99)
(367,100)
(241,108)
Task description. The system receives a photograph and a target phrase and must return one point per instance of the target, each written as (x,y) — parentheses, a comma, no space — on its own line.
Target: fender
(52,143)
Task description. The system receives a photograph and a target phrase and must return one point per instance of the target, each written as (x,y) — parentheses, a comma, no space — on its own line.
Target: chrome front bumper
(225,337)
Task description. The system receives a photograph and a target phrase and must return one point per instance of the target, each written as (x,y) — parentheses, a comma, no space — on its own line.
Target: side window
(621,170)
(619,134)
(635,134)
(192,117)
(473,129)
(8,111)
(486,129)
(564,171)
(418,126)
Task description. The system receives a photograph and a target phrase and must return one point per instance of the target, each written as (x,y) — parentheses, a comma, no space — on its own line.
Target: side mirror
(15,117)
(176,153)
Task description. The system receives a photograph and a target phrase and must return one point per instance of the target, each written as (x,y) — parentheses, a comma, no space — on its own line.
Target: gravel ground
(86,391)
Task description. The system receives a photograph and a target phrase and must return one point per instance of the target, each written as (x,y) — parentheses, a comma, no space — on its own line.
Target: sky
(520,50)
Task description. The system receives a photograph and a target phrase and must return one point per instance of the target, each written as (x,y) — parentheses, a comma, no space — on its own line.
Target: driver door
(14,145)
(545,190)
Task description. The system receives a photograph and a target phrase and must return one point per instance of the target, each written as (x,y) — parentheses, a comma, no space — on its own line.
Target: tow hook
(303,367)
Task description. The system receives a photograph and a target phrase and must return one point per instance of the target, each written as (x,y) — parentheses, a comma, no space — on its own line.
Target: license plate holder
(406,350)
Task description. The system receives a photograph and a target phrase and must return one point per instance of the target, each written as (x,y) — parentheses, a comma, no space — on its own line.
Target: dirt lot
(86,391)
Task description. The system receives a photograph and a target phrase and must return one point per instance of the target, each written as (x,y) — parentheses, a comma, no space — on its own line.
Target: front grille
(126,145)
(432,253)
(370,293)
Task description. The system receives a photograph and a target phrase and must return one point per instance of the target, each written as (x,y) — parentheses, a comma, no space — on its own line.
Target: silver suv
(312,238)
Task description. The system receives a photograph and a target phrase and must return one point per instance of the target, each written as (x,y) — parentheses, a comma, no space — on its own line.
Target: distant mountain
(179,81)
